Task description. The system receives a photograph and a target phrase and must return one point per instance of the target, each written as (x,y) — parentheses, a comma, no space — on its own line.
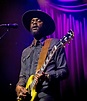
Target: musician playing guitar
(43,63)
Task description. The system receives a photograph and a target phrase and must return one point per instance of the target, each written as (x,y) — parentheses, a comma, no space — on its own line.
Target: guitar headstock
(67,38)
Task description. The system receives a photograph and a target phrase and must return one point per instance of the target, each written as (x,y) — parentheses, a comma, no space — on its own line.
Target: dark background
(12,44)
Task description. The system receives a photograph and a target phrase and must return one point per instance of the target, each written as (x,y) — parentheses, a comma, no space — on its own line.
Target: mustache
(34,26)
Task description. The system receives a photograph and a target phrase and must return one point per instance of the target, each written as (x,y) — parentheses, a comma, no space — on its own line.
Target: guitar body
(33,92)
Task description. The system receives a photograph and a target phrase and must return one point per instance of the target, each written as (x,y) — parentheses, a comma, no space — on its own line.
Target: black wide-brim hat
(49,25)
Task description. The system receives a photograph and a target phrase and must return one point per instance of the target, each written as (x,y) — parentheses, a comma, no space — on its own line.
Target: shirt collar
(41,41)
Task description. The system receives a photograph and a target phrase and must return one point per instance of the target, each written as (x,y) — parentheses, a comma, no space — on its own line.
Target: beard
(38,34)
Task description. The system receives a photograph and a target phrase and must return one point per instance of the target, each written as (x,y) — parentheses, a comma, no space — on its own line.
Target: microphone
(14,25)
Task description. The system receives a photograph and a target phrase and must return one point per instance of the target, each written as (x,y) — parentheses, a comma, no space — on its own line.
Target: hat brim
(48,21)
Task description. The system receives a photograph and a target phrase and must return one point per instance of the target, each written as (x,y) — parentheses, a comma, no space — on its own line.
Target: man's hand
(21,91)
(41,76)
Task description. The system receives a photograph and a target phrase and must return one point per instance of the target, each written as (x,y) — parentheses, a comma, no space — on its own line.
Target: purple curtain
(66,18)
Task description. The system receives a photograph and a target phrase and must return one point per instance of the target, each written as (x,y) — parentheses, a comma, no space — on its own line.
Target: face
(35,26)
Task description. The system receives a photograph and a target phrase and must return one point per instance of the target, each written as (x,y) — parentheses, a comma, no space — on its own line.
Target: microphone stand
(5,33)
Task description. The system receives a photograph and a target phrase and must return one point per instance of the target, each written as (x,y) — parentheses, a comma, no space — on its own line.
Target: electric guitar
(31,83)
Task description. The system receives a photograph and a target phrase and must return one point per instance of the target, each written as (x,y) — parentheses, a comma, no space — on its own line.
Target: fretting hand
(41,76)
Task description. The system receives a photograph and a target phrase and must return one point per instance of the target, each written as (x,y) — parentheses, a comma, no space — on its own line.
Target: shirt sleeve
(25,66)
(22,75)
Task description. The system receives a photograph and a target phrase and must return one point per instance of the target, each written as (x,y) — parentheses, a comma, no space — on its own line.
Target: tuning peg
(69,42)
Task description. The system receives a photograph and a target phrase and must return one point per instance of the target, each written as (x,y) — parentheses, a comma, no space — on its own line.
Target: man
(47,82)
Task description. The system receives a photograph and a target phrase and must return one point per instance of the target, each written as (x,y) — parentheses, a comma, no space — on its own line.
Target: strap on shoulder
(43,53)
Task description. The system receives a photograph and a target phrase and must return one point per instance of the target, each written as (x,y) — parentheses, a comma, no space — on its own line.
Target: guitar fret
(47,60)
(42,69)
(33,83)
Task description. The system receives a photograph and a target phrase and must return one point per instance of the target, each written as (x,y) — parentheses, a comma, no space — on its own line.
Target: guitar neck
(48,59)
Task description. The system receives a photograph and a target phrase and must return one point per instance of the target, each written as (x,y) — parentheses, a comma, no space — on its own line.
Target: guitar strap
(43,53)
